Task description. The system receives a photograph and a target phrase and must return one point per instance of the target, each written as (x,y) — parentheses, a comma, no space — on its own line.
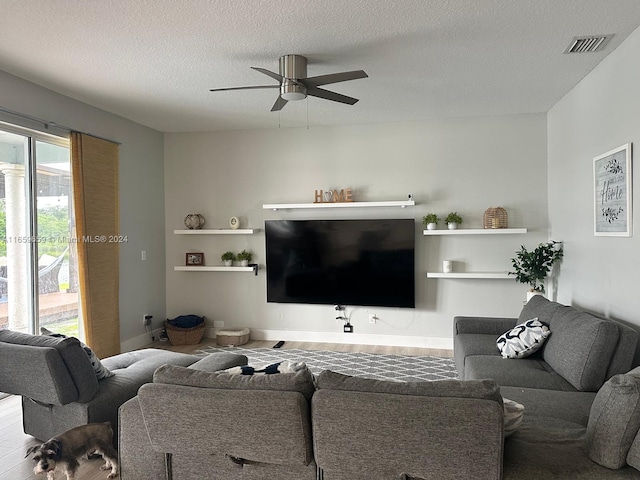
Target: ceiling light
(292,91)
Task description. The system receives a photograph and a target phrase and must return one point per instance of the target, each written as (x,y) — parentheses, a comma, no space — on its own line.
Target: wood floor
(14,443)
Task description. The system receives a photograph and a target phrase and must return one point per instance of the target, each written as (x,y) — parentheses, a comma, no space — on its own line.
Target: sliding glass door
(38,268)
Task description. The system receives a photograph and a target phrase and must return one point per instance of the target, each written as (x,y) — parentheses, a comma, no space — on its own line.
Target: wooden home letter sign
(333,196)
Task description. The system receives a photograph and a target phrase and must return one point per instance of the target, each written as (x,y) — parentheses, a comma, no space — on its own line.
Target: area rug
(400,368)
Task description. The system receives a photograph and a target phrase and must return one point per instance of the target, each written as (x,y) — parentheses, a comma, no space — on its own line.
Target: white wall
(142,286)
(600,274)
(454,164)
(465,165)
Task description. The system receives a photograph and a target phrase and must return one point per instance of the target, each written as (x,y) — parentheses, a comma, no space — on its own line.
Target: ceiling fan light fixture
(293,96)
(291,91)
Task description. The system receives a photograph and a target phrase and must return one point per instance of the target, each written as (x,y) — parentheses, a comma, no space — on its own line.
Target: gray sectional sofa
(194,423)
(581,418)
(581,398)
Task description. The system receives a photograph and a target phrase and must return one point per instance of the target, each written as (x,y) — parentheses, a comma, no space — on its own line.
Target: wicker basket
(185,336)
(495,217)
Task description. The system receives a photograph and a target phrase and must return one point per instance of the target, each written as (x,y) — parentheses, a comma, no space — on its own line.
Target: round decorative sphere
(194,221)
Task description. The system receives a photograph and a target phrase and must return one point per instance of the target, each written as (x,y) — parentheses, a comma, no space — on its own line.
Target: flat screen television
(341,262)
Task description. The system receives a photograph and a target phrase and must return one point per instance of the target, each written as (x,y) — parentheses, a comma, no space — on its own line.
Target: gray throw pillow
(98,368)
(215,362)
(614,420)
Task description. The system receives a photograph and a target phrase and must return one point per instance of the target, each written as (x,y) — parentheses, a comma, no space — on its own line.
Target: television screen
(341,262)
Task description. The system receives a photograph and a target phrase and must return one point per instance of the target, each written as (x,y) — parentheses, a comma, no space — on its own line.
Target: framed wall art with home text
(612,184)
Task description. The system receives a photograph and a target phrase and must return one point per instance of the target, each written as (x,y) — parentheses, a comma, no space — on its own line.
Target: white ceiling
(153,61)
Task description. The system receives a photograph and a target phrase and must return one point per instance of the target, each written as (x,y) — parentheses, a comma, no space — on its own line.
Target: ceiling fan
(295,85)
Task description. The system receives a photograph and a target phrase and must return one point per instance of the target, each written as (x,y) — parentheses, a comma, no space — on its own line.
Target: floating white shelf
(289,206)
(213,269)
(476,231)
(218,231)
(470,275)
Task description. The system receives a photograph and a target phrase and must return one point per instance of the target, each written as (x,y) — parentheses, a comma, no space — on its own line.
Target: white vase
(244,263)
(452,226)
(228,263)
(431,226)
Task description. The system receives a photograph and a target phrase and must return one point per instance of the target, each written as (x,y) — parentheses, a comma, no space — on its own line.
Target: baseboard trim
(140,341)
(350,338)
(315,337)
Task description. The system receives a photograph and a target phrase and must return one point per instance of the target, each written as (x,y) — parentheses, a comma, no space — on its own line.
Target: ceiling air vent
(592,43)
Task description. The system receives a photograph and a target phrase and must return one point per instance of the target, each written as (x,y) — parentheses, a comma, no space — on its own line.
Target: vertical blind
(94,164)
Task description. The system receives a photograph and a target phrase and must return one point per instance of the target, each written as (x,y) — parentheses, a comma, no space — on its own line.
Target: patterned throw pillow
(513,413)
(524,339)
(100,370)
(280,367)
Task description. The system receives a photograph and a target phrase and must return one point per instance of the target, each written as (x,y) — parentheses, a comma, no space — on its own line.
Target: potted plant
(532,267)
(430,221)
(228,258)
(452,220)
(245,257)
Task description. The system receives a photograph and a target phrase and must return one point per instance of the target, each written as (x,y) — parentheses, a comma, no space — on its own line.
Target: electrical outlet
(146,320)
(372,318)
(218,324)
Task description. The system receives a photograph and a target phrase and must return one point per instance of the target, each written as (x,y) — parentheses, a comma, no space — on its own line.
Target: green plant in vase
(453,220)
(228,258)
(430,221)
(532,267)
(244,258)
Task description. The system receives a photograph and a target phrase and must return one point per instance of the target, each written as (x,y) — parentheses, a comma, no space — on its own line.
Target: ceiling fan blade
(327,95)
(280,102)
(334,78)
(273,75)
(243,88)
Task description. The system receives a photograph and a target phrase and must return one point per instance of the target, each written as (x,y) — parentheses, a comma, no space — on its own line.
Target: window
(38,266)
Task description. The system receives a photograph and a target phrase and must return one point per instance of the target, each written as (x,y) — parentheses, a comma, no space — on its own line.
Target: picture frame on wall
(195,259)
(612,185)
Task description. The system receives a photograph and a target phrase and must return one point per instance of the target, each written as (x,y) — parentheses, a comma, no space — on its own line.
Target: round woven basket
(495,217)
(194,221)
(184,336)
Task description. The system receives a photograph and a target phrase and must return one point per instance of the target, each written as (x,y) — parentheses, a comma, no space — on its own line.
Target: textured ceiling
(153,61)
